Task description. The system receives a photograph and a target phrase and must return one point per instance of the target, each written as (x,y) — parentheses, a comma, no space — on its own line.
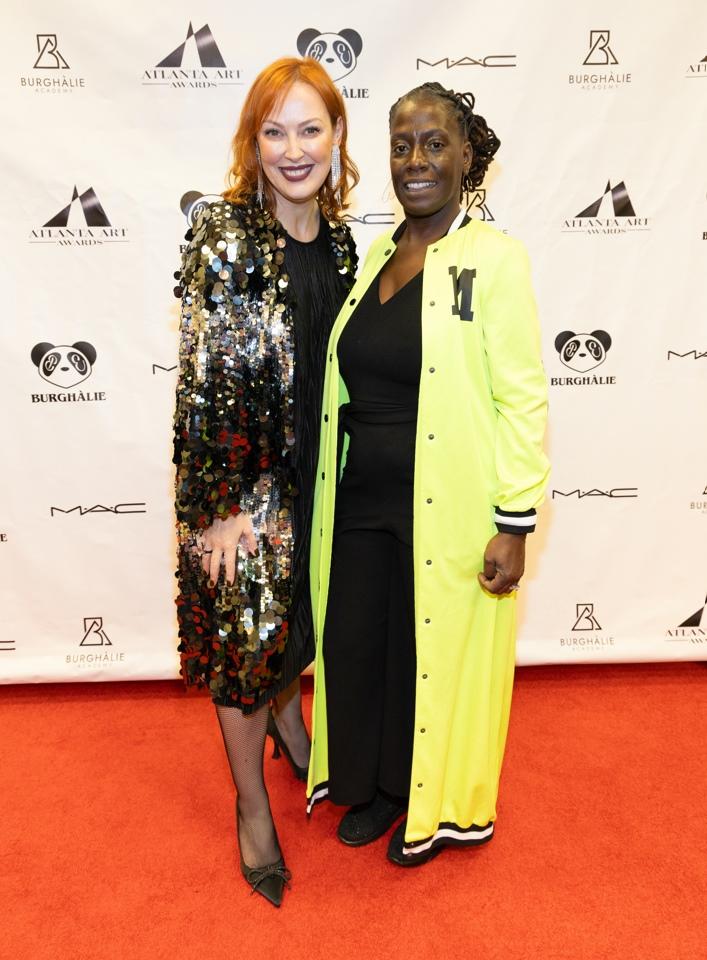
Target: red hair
(269,89)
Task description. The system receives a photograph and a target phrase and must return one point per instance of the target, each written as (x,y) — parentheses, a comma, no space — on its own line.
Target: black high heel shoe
(269,881)
(281,747)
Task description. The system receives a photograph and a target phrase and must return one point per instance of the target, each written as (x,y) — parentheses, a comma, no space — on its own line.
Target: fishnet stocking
(244,739)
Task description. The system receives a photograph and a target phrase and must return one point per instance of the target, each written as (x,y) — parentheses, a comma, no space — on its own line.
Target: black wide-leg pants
(370,666)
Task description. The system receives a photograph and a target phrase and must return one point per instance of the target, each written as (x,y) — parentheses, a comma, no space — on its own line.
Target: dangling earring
(259,194)
(335,174)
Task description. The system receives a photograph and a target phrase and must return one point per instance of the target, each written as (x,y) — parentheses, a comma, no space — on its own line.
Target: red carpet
(117,834)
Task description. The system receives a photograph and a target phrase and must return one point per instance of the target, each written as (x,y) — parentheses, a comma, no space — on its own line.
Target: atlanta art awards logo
(692,630)
(338,52)
(698,69)
(582,353)
(195,64)
(51,72)
(97,647)
(602,71)
(586,632)
(65,366)
(612,213)
(83,222)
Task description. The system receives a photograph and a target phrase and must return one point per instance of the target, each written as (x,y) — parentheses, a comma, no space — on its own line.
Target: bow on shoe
(258,874)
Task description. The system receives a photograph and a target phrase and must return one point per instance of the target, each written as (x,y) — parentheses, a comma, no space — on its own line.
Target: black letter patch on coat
(463,285)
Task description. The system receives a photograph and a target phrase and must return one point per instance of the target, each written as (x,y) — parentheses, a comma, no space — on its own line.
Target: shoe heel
(280,749)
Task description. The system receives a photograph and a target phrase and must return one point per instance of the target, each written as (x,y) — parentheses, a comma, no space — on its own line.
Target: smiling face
(295,143)
(428,157)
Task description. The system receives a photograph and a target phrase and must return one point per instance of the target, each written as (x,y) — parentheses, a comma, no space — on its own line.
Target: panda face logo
(582,351)
(193,203)
(64,366)
(338,52)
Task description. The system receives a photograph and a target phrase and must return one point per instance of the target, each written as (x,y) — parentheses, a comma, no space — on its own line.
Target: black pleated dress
(318,290)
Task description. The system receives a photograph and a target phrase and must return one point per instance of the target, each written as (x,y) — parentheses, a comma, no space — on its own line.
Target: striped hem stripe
(450,833)
(319,793)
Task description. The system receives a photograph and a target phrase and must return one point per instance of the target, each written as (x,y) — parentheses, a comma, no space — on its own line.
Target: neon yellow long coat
(478,463)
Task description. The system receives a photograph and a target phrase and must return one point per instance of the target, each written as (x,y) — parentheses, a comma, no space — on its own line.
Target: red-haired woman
(263,277)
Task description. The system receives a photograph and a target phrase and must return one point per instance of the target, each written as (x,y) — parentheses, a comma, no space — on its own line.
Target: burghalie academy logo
(597,218)
(478,207)
(83,222)
(700,506)
(95,636)
(65,366)
(583,352)
(196,64)
(51,72)
(691,630)
(600,53)
(93,633)
(338,53)
(587,632)
(602,59)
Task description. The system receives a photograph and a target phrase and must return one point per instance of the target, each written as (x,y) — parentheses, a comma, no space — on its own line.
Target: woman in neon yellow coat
(479,474)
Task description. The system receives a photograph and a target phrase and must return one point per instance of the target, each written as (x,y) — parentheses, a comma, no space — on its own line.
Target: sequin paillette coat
(233,436)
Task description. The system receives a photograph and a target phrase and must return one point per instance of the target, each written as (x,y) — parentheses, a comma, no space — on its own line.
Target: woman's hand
(504,563)
(221,541)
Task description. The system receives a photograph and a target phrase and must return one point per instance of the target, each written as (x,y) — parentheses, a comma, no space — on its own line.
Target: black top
(380,358)
(380,350)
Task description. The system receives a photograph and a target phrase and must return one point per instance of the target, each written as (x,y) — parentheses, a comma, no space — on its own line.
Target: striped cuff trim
(319,793)
(521,522)
(451,834)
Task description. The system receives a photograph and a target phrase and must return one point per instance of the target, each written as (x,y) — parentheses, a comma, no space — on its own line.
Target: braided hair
(472,126)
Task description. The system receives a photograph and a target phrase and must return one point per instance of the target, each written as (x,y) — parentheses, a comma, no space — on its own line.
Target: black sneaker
(366,822)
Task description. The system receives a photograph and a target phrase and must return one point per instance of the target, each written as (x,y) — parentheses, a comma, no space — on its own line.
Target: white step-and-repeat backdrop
(117,120)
